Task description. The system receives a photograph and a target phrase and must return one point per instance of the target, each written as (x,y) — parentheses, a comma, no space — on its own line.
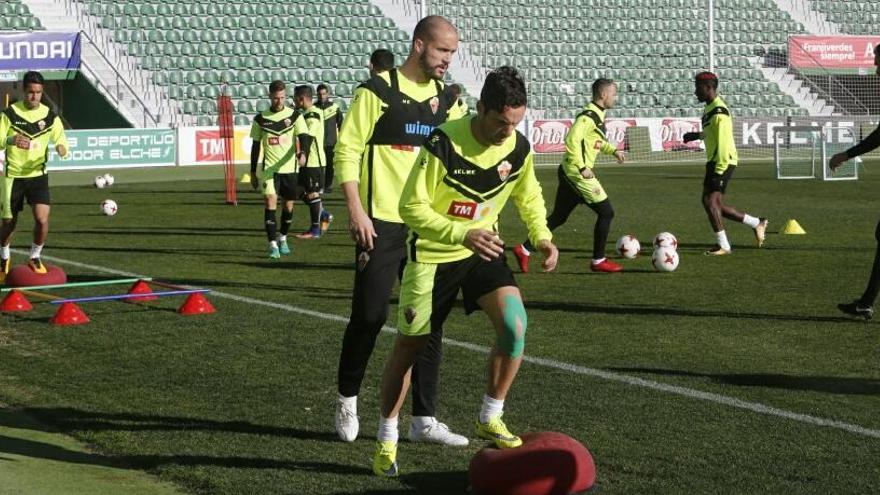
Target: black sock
(315,212)
(269,216)
(286,220)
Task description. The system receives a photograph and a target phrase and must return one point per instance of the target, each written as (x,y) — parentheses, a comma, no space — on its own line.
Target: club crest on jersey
(41,124)
(504,170)
(274,141)
(435,104)
(598,145)
(462,209)
(410,315)
(287,122)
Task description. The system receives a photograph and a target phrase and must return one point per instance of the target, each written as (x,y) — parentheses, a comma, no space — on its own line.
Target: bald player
(390,116)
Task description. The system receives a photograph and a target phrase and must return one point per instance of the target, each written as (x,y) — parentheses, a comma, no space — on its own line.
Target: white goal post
(802,152)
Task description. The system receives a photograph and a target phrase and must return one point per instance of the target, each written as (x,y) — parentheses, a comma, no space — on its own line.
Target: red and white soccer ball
(667,240)
(628,246)
(108,207)
(665,259)
(100,182)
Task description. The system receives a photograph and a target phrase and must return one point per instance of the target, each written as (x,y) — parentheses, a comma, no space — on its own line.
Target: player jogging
(27,127)
(722,159)
(389,118)
(864,306)
(275,131)
(464,176)
(577,180)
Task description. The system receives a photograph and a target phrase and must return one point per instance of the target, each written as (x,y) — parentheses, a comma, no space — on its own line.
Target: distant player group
(424,183)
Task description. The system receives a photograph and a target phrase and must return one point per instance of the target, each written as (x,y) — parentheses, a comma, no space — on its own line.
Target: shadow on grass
(42,450)
(826,384)
(667,311)
(430,483)
(68,419)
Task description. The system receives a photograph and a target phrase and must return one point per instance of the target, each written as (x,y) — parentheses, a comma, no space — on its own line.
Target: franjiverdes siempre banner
(846,53)
(39,51)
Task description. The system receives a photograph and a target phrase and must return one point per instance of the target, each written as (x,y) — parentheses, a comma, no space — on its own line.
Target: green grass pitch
(241,401)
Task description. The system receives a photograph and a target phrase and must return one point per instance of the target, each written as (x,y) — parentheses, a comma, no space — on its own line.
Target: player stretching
(390,117)
(26,128)
(721,150)
(464,175)
(577,180)
(864,306)
(276,131)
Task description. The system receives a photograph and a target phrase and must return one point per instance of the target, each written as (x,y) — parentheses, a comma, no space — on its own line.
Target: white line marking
(549,363)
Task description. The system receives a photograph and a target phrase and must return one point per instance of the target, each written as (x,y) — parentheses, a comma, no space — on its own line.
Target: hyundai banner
(39,51)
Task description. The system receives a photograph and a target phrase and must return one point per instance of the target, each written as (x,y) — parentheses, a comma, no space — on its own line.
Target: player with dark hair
(577,180)
(864,306)
(332,123)
(381,60)
(463,177)
(722,159)
(26,128)
(389,118)
(276,131)
(310,176)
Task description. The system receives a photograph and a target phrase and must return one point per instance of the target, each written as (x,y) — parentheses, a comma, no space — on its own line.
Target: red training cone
(69,314)
(196,304)
(141,287)
(15,301)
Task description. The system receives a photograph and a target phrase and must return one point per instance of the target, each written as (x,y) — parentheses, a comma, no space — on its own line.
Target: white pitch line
(756,407)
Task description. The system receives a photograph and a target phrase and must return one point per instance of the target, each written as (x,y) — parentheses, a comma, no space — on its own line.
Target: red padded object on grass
(547,463)
(23,276)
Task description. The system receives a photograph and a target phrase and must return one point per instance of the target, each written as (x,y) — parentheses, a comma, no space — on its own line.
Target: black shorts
(311,179)
(715,182)
(16,189)
(282,185)
(428,291)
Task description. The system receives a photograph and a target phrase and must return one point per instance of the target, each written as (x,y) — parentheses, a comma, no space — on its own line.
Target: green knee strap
(513,337)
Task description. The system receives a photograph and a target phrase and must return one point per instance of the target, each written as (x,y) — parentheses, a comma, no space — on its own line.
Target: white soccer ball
(628,246)
(665,259)
(665,239)
(108,207)
(109,179)
(100,182)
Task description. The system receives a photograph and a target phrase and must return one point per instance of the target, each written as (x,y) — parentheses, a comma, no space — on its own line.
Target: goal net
(802,152)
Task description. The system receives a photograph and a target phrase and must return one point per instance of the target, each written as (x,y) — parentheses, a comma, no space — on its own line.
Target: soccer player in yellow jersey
(26,128)
(311,175)
(464,176)
(722,159)
(276,132)
(577,180)
(390,116)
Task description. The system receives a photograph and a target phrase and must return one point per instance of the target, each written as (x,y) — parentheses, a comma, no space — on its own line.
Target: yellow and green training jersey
(585,140)
(314,118)
(458,184)
(42,126)
(718,135)
(389,119)
(277,133)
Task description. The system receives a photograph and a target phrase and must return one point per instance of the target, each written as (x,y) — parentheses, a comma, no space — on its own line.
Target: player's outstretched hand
(621,156)
(361,229)
(255,181)
(485,243)
(587,173)
(550,253)
(837,160)
(691,136)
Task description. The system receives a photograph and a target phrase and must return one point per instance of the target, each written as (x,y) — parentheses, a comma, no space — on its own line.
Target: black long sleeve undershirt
(866,145)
